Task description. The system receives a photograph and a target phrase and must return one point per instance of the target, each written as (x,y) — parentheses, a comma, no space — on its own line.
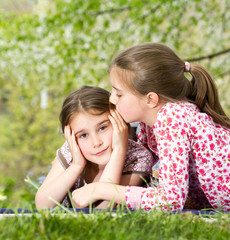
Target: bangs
(126,78)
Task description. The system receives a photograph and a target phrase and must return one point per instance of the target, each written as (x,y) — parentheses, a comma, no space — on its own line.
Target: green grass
(101,225)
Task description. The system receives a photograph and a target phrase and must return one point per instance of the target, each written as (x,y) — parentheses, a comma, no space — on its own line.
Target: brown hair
(94,100)
(154,67)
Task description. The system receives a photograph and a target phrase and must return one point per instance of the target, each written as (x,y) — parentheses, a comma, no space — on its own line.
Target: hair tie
(187,66)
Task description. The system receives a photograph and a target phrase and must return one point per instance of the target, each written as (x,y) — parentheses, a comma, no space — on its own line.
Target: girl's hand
(113,169)
(120,130)
(78,158)
(84,196)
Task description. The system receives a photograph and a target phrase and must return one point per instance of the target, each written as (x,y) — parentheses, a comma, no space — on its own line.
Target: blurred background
(50,48)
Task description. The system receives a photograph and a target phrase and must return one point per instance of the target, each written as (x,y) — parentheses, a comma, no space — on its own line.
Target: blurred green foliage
(60,45)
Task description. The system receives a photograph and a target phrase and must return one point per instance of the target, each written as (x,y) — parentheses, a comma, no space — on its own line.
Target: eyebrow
(116,88)
(84,130)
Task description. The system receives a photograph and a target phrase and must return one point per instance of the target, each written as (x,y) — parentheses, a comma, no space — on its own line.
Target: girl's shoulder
(138,158)
(134,146)
(63,154)
(180,106)
(179,110)
(136,149)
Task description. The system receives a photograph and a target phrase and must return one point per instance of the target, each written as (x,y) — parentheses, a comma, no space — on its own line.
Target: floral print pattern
(138,159)
(194,155)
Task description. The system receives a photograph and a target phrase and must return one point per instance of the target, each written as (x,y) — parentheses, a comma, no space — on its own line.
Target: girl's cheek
(81,145)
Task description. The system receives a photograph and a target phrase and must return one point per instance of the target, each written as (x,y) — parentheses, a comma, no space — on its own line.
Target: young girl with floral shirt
(182,122)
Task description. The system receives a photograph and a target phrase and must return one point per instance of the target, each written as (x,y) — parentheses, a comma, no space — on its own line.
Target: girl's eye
(102,128)
(83,135)
(118,95)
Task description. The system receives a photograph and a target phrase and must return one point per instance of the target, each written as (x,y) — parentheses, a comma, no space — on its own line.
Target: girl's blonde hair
(153,67)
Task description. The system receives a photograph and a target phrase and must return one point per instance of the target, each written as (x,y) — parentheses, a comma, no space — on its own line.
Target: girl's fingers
(73,140)
(120,129)
(66,131)
(70,137)
(118,120)
(67,134)
(114,123)
(73,136)
(77,157)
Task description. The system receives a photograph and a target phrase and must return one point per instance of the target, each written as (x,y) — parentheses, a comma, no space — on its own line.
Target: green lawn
(102,225)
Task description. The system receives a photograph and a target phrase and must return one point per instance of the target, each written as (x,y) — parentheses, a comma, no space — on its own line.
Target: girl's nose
(96,141)
(112,99)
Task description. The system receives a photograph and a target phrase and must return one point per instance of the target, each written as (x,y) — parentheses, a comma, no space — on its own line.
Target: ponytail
(156,68)
(205,95)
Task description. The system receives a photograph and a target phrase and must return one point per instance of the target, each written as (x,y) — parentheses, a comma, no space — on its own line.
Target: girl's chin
(100,161)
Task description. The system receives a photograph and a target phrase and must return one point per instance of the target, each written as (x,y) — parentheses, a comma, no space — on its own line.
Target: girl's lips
(101,152)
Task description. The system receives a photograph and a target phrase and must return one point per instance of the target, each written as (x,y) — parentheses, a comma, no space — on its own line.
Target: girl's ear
(152,99)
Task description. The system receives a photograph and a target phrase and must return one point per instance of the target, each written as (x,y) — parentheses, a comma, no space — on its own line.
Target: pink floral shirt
(194,155)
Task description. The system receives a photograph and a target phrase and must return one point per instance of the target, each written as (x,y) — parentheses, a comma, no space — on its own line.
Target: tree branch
(209,56)
(112,10)
(151,11)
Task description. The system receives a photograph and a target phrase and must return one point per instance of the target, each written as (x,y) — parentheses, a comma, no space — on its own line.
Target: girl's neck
(150,117)
(93,172)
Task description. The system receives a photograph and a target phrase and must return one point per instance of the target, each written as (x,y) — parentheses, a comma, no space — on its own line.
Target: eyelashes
(100,129)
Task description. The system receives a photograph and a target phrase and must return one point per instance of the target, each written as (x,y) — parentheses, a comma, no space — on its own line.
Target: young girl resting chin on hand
(182,122)
(97,149)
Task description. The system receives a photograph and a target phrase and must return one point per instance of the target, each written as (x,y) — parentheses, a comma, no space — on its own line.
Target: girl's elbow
(39,202)
(42,201)
(44,205)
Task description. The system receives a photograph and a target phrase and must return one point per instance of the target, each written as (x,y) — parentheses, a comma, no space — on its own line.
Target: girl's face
(94,136)
(129,105)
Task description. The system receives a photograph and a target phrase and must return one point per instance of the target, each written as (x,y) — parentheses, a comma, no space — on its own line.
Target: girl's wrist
(120,153)
(120,149)
(76,167)
(99,190)
(109,191)
(96,194)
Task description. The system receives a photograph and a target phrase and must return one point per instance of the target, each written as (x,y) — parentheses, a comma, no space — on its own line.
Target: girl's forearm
(113,170)
(57,188)
(112,192)
(84,196)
